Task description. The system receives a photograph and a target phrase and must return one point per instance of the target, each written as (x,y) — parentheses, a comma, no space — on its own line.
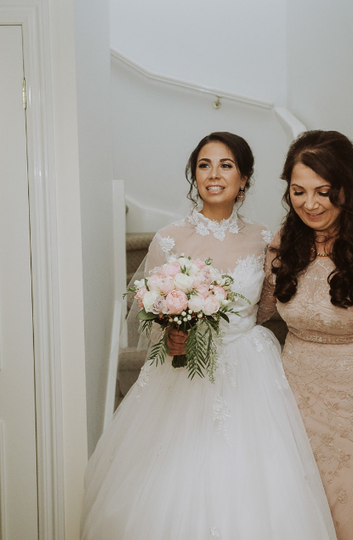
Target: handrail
(190,86)
(291,124)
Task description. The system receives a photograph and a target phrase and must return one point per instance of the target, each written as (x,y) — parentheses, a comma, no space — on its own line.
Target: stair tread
(137,241)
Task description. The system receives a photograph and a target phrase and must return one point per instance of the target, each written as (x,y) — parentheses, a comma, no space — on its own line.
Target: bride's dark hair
(237,145)
(330,155)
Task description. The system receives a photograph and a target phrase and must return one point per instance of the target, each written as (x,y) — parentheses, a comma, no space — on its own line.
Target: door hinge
(24,93)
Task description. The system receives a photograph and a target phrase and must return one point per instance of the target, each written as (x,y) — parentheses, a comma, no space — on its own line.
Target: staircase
(136,249)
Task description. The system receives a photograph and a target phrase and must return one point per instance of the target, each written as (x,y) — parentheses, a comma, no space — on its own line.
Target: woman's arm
(267,304)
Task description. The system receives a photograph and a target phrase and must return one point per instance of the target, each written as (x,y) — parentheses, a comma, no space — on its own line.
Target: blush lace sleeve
(267,304)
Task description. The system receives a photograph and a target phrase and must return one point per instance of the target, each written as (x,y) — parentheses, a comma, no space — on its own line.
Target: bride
(190,459)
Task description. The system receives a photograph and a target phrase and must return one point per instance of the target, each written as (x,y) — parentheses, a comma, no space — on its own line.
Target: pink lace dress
(195,460)
(318,362)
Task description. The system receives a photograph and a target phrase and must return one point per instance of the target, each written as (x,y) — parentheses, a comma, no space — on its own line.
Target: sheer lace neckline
(205,226)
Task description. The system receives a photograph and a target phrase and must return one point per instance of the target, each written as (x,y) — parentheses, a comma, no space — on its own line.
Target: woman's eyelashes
(322,193)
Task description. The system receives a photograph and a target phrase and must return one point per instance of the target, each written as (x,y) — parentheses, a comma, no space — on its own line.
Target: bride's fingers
(176,342)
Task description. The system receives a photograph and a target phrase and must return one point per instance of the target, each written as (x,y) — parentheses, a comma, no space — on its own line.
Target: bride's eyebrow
(222,159)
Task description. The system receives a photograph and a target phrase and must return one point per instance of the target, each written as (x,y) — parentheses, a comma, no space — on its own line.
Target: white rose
(139,283)
(196,303)
(193,269)
(149,299)
(214,274)
(183,282)
(190,268)
(212,305)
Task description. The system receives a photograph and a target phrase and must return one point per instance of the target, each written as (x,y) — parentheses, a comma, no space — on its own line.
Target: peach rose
(176,301)
(171,269)
(140,294)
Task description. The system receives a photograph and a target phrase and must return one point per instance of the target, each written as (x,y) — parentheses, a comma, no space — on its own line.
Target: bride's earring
(241,195)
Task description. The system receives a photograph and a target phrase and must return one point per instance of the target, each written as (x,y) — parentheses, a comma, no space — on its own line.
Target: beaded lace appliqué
(205,226)
(241,273)
(166,244)
(180,223)
(143,378)
(220,413)
(267,236)
(214,532)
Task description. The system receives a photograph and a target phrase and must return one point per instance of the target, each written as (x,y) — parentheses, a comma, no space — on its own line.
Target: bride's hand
(176,342)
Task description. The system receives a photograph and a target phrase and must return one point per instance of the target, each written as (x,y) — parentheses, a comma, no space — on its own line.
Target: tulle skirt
(194,460)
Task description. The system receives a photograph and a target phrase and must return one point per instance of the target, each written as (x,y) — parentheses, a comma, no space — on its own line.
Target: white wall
(157,126)
(320,74)
(234,45)
(96,174)
(60,47)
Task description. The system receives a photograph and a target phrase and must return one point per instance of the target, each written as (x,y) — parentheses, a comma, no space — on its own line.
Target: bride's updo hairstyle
(330,155)
(240,149)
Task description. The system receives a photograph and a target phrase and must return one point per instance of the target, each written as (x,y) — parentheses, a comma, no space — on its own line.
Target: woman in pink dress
(309,279)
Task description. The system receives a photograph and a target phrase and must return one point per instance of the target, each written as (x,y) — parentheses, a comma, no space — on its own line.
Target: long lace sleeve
(157,252)
(267,304)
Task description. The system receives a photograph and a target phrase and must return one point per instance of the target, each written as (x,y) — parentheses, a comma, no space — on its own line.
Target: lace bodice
(237,247)
(309,315)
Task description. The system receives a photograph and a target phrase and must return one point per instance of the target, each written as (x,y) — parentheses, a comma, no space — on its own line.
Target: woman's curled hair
(330,155)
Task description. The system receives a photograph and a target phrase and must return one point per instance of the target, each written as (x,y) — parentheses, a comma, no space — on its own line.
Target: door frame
(33,19)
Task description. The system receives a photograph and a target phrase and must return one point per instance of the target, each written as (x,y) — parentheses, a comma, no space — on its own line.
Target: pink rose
(171,269)
(212,305)
(166,284)
(159,306)
(140,294)
(176,301)
(200,264)
(203,290)
(153,282)
(219,292)
(199,279)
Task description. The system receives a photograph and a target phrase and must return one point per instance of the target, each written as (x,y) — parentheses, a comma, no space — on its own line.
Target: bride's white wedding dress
(192,460)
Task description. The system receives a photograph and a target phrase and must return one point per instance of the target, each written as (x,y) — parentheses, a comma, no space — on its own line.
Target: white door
(18,470)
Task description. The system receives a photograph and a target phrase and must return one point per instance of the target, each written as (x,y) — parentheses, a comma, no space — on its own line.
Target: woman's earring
(241,195)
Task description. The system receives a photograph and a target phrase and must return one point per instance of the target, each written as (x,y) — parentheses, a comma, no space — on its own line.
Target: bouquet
(190,295)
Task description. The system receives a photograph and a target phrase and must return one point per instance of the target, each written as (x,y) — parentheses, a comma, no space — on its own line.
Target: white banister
(290,123)
(185,84)
(120,287)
